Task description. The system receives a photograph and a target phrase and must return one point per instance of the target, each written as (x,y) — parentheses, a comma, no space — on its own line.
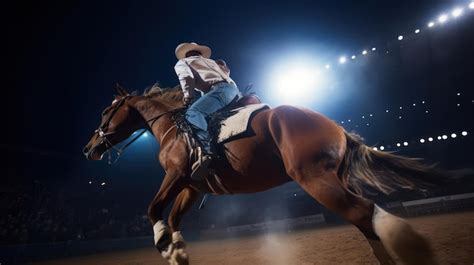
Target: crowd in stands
(36,214)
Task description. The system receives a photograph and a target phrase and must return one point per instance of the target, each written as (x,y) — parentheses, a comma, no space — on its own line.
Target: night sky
(63,59)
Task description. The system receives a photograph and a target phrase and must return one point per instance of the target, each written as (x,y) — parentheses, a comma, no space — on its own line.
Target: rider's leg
(219,97)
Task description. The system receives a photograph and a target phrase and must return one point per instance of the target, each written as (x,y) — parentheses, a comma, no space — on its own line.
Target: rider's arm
(186,78)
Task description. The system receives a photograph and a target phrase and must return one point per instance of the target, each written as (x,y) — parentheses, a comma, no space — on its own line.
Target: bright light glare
(431,24)
(405,143)
(400,37)
(398,144)
(342,59)
(444,137)
(422,140)
(297,83)
(430,139)
(102,184)
(353,57)
(327,66)
(464,133)
(382,147)
(364,52)
(471,5)
(457,12)
(373,49)
(417,31)
(443,18)
(453,135)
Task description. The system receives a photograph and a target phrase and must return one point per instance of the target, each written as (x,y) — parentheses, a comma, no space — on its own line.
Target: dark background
(61,61)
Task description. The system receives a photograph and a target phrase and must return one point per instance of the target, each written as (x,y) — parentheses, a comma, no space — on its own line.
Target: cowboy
(197,72)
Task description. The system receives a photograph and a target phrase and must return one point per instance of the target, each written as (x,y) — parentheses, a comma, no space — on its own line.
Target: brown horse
(287,144)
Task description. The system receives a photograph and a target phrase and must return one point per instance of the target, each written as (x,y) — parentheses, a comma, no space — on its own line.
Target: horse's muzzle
(92,153)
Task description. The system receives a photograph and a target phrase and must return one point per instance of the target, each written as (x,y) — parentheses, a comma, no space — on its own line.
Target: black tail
(384,171)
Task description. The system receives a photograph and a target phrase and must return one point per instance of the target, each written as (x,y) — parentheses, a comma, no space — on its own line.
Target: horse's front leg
(170,188)
(175,253)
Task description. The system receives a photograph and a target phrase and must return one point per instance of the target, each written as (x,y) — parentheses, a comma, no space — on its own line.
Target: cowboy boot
(200,168)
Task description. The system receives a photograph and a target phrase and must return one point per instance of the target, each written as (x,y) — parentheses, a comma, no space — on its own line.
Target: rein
(120,150)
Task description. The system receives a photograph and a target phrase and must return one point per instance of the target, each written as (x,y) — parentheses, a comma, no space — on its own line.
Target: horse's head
(119,121)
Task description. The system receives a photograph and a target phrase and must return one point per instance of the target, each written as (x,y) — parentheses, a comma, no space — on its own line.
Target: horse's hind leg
(376,225)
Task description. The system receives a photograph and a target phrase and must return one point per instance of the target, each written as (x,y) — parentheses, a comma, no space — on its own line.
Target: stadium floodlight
(302,78)
(90,182)
(327,66)
(457,12)
(442,18)
(439,138)
(471,5)
(464,133)
(422,140)
(382,147)
(342,59)
(398,144)
(374,49)
(444,137)
(400,37)
(430,139)
(414,104)
(401,107)
(102,184)
(375,148)
(386,110)
(364,52)
(453,135)
(417,31)
(353,57)
(423,102)
(431,24)
(405,143)
(458,94)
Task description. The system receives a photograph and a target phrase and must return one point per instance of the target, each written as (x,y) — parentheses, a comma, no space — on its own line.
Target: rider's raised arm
(186,78)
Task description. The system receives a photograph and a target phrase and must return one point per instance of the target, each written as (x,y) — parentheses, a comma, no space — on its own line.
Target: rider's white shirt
(197,72)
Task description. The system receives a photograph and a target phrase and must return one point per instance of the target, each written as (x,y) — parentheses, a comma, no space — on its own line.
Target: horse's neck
(150,110)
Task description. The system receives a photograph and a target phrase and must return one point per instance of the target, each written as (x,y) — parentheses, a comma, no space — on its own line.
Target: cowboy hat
(186,47)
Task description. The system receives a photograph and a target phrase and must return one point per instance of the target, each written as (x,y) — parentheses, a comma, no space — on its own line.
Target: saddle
(224,126)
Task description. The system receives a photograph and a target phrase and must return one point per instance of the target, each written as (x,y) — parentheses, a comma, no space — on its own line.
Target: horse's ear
(121,90)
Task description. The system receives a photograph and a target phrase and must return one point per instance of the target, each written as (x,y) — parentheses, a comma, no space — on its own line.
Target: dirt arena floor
(452,237)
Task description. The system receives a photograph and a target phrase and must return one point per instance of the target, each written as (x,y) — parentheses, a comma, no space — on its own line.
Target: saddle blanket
(238,122)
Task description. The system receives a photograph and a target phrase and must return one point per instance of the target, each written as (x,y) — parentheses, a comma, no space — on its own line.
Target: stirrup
(200,168)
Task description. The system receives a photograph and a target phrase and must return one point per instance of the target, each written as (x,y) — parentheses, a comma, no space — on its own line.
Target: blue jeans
(218,97)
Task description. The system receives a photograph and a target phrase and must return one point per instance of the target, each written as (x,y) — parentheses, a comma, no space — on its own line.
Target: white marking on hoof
(159,229)
(398,235)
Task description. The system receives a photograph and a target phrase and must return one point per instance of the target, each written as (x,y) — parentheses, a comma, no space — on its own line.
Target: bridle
(108,144)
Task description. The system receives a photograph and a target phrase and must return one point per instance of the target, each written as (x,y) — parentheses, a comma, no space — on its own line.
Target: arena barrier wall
(273,226)
(439,204)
